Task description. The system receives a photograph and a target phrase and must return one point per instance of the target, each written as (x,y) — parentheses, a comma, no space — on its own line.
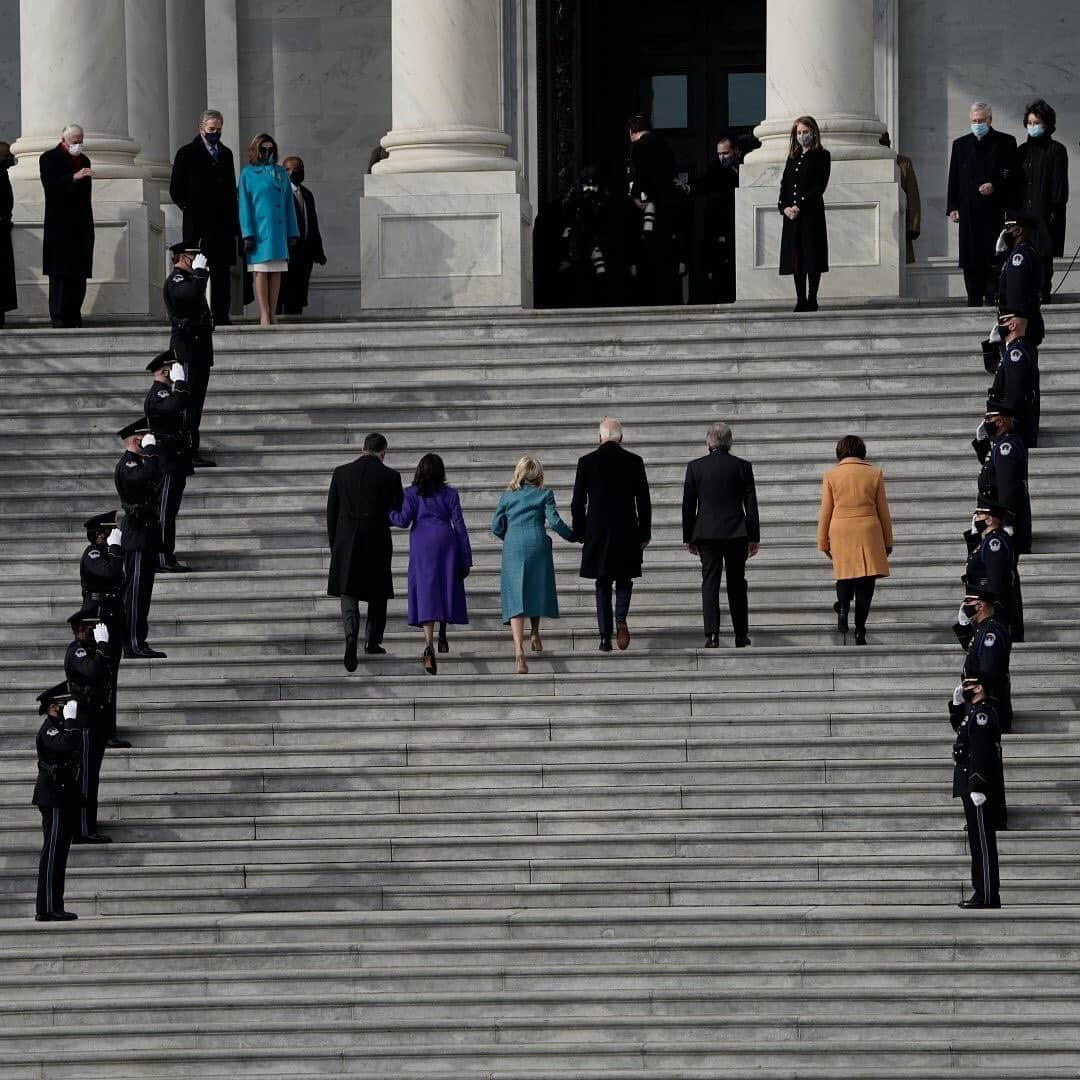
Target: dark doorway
(695,66)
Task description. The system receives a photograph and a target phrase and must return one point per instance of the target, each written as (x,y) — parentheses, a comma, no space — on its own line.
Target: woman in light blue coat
(267,222)
(528,572)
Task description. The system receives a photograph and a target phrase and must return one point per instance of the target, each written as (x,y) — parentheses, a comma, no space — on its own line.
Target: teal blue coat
(267,211)
(528,573)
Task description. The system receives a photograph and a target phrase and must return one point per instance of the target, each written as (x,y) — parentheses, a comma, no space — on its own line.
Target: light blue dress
(267,212)
(528,573)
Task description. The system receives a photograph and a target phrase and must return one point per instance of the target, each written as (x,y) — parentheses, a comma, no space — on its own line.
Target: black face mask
(213,137)
(969,694)
(970,610)
(267,155)
(979,526)
(297,176)
(992,429)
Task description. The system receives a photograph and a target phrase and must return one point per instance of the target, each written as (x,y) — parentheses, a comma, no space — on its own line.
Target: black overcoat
(205,190)
(362,494)
(68,245)
(302,257)
(611,512)
(974,162)
(8,300)
(1043,190)
(804,242)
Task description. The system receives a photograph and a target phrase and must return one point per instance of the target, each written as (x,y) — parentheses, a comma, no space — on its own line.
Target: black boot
(350,654)
(841,617)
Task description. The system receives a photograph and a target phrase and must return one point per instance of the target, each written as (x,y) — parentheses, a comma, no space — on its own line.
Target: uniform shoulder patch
(1016,354)
(990,639)
(131,464)
(93,553)
(163,393)
(52,731)
(982,719)
(1006,448)
(1018,259)
(177,277)
(80,654)
(994,545)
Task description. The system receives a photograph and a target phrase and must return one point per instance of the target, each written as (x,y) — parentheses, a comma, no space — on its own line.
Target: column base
(129,249)
(445,240)
(865,223)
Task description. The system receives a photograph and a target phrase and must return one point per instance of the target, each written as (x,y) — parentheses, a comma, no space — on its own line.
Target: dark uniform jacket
(1019,289)
(1016,383)
(1043,191)
(977,758)
(1004,479)
(87,667)
(68,244)
(362,494)
(166,409)
(8,299)
(974,162)
(205,191)
(58,753)
(804,242)
(138,480)
(101,573)
(988,654)
(189,313)
(719,499)
(992,560)
(611,512)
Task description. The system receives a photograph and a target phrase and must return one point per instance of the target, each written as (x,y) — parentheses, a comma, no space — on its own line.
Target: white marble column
(75,71)
(148,85)
(443,222)
(185,22)
(819,61)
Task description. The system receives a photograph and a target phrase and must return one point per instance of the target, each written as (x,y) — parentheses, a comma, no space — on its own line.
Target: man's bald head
(610,430)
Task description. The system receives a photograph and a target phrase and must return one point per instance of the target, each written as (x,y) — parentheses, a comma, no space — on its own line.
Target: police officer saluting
(56,795)
(989,648)
(192,340)
(101,573)
(1016,377)
(88,668)
(991,559)
(1003,479)
(166,411)
(139,476)
(978,779)
(1021,275)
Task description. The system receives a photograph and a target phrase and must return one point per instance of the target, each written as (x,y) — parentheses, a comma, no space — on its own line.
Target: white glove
(978,798)
(200,262)
(176,372)
(995,333)
(148,440)
(963,620)
(101,634)
(958,694)
(114,538)
(999,245)
(981,434)
(71,709)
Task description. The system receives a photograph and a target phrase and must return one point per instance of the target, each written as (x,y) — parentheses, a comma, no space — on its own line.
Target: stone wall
(9,70)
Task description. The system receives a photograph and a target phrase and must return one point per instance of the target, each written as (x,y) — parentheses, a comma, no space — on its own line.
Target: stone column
(820,62)
(147,85)
(443,220)
(79,75)
(185,22)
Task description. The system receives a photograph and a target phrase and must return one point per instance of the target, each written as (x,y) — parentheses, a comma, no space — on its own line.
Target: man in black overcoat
(612,515)
(68,244)
(8,299)
(203,185)
(720,524)
(982,170)
(362,494)
(309,248)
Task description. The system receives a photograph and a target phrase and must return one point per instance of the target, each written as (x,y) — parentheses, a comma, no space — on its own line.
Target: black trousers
(220,291)
(52,866)
(624,589)
(376,619)
(66,296)
(93,753)
(172,492)
(195,350)
(113,617)
(716,557)
(140,568)
(980,283)
(982,843)
(294,286)
(861,589)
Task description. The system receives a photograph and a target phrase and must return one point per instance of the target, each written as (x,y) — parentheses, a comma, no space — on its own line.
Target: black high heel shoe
(431,665)
(841,618)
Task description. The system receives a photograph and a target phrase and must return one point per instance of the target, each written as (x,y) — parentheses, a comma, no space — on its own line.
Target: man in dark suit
(203,185)
(309,248)
(9,301)
(68,243)
(612,515)
(362,494)
(982,170)
(720,523)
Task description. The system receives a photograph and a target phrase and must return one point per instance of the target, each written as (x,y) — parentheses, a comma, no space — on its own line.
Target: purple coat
(439,554)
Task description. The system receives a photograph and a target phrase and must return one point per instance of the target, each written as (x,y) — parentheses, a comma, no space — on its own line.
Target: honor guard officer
(978,779)
(1003,478)
(1021,275)
(166,407)
(101,573)
(88,668)
(988,653)
(991,559)
(1016,377)
(56,795)
(139,476)
(192,340)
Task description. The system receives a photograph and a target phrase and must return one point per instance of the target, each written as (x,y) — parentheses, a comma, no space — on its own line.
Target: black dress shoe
(841,618)
(374,650)
(117,744)
(811,305)
(976,903)
(800,305)
(174,567)
(92,838)
(712,641)
(148,652)
(201,462)
(55,916)
(860,636)
(443,645)
(741,642)
(350,654)
(605,644)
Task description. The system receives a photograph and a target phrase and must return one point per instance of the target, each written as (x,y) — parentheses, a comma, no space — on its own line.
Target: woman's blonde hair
(527,471)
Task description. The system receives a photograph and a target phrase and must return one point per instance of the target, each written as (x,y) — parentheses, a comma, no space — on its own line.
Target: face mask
(991,428)
(970,610)
(979,130)
(726,159)
(297,176)
(212,137)
(1036,130)
(978,526)
(267,155)
(75,149)
(969,694)
(806,139)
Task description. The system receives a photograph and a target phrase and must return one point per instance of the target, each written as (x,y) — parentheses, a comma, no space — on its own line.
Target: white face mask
(75,149)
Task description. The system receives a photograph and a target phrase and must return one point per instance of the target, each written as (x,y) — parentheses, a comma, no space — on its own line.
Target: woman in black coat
(804,243)
(1043,178)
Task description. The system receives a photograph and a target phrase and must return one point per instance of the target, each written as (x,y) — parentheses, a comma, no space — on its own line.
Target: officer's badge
(178,277)
(80,654)
(94,553)
(1006,448)
(995,545)
(982,718)
(1018,259)
(131,464)
(52,731)
(1015,354)
(989,639)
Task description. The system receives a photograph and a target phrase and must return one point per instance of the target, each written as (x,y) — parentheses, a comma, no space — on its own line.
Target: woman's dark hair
(253,147)
(794,144)
(1044,112)
(430,474)
(850,446)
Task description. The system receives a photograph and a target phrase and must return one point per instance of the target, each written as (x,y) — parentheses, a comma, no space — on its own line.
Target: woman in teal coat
(528,572)
(267,222)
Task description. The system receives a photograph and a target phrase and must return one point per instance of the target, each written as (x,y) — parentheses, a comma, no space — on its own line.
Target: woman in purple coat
(439,554)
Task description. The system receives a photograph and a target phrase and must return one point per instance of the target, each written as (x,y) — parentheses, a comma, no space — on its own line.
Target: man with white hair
(612,515)
(68,244)
(981,171)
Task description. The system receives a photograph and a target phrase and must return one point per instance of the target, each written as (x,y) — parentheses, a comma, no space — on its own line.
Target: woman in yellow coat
(855,531)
